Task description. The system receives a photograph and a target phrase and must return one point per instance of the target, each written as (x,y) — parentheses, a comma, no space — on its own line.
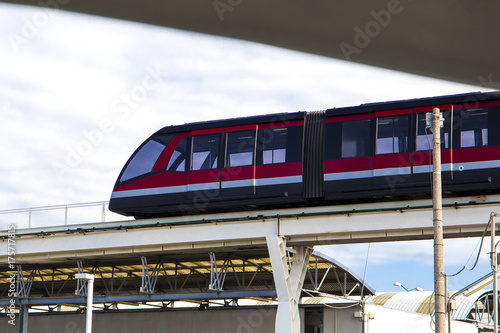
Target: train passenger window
(240,148)
(178,160)
(143,161)
(392,134)
(274,145)
(356,136)
(205,152)
(474,128)
(424,136)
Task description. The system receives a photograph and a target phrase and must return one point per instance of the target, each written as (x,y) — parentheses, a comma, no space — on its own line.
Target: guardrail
(89,212)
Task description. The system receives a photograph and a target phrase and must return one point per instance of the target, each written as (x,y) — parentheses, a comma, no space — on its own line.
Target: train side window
(474,128)
(424,137)
(205,152)
(143,161)
(240,148)
(274,145)
(392,134)
(356,136)
(178,160)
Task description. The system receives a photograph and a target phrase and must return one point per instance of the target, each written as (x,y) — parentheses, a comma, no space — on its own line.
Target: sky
(78,95)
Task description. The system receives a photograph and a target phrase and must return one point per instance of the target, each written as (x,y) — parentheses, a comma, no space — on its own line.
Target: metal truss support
(217,276)
(317,287)
(24,287)
(314,280)
(148,285)
(81,286)
(289,279)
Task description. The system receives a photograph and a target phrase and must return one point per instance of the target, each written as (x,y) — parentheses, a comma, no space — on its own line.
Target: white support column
(288,281)
(90,298)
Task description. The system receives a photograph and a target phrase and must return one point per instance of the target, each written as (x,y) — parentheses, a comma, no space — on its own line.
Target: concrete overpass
(445,39)
(237,231)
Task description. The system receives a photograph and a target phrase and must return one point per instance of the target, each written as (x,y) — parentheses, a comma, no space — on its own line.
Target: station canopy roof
(165,278)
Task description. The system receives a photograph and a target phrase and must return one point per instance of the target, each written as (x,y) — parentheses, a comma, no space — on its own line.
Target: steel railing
(66,209)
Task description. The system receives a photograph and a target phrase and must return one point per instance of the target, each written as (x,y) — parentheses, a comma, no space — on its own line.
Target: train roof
(469,98)
(261,119)
(363,108)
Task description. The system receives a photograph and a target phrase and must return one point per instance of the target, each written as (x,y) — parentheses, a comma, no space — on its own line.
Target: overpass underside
(450,40)
(250,230)
(160,281)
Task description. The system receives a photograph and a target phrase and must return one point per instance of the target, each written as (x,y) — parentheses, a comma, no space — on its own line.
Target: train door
(238,169)
(392,159)
(204,167)
(349,150)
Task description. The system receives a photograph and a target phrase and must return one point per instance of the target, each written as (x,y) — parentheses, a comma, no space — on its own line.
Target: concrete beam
(306,226)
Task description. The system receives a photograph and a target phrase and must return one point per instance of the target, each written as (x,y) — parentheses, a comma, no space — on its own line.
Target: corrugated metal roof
(314,300)
(427,306)
(413,301)
(381,299)
(465,304)
(423,302)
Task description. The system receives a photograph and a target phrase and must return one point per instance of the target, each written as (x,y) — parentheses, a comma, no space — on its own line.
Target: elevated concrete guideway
(445,39)
(282,232)
(371,222)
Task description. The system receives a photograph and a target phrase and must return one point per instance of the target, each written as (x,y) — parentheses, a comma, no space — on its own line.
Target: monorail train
(368,152)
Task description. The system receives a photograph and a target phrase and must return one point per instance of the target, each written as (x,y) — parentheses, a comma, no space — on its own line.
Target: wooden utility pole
(439,289)
(494,265)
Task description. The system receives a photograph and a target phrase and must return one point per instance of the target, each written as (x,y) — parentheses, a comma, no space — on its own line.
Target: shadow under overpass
(450,40)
